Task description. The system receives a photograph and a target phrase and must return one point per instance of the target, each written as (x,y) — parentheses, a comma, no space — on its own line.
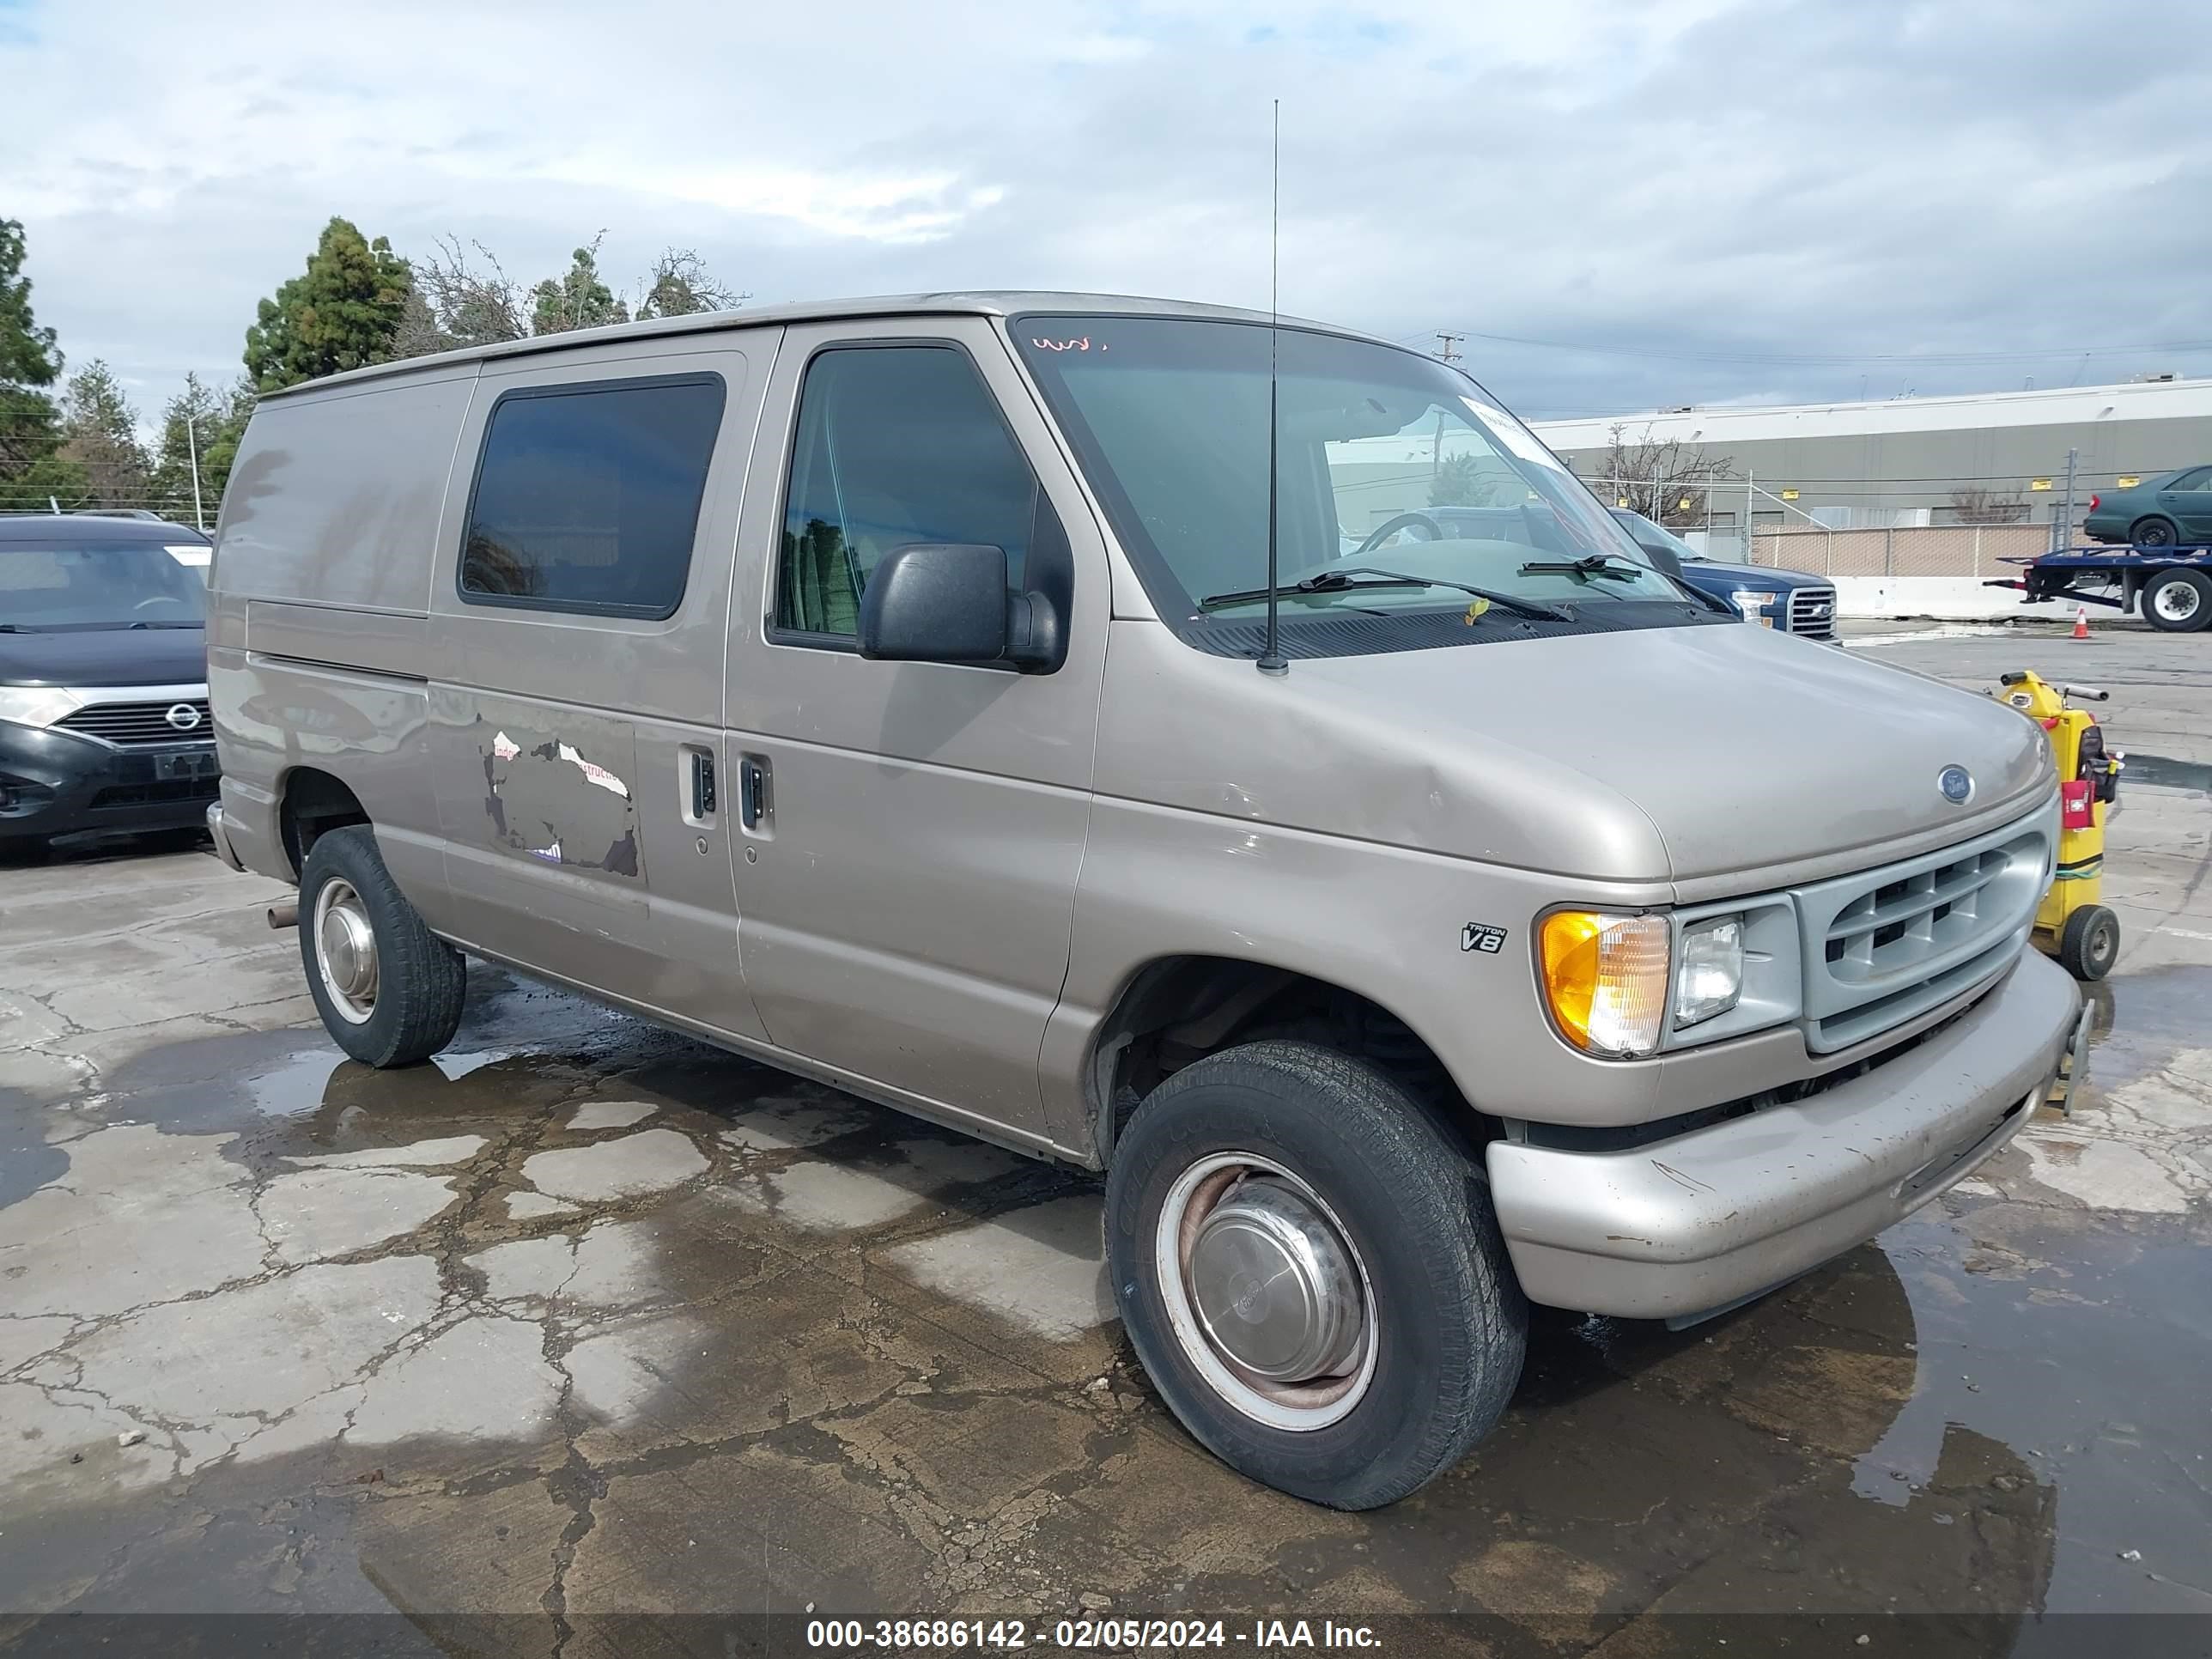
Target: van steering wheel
(1389,528)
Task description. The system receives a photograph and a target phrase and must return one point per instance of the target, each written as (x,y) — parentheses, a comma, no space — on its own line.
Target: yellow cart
(2072,923)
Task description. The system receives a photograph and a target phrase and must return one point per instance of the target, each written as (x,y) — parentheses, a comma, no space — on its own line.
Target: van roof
(981,302)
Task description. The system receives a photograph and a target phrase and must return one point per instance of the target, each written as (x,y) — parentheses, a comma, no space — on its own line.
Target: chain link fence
(1967,550)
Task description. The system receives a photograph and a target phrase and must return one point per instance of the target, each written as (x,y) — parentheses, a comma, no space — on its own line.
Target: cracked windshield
(1400,486)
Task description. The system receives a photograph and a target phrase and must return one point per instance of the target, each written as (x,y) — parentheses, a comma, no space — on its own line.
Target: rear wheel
(2152,532)
(2089,943)
(2178,601)
(389,990)
(1309,1269)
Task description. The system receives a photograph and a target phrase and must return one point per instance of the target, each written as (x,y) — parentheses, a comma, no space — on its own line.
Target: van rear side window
(587,496)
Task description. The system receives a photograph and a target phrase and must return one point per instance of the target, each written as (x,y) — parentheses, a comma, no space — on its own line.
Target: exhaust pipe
(284,915)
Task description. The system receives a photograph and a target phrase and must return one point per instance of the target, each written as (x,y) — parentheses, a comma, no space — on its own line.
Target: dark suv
(103,677)
(1787,601)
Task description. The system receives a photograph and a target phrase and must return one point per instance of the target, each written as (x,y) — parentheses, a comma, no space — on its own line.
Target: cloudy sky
(1623,202)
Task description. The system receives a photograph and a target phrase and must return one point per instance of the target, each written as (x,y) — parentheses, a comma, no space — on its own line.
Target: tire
(2089,943)
(1445,1327)
(415,982)
(2178,601)
(2152,532)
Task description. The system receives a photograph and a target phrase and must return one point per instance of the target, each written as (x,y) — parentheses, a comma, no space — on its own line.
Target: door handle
(702,785)
(753,806)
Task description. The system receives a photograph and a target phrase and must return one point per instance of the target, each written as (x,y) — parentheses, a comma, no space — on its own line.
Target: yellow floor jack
(2072,923)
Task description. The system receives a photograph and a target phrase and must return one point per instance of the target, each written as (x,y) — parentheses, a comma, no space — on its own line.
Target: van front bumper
(1694,1223)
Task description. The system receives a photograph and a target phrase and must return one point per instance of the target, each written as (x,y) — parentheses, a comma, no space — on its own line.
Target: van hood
(104,656)
(1665,754)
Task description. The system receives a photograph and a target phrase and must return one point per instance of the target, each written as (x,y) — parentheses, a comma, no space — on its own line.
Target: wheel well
(313,802)
(1183,1008)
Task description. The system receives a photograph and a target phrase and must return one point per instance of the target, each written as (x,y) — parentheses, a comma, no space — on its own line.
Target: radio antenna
(1271,655)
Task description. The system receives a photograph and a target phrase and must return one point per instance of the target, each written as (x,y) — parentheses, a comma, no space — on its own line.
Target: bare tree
(463,296)
(1979,506)
(1667,480)
(469,298)
(680,285)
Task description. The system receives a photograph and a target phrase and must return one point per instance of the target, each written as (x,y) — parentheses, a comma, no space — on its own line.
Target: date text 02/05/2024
(1115,1635)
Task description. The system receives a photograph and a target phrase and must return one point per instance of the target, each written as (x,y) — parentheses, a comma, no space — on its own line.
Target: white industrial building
(1906,461)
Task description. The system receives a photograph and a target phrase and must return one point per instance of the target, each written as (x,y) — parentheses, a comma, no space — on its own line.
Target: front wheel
(1310,1271)
(389,990)
(2178,601)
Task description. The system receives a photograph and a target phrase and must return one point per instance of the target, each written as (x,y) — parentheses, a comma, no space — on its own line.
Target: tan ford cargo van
(875,689)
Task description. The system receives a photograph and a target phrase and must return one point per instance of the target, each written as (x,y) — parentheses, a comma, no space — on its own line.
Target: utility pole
(192,447)
(2066,525)
(1444,354)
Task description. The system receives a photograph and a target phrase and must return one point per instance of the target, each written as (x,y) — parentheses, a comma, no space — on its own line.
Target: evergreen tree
(31,467)
(580,299)
(99,433)
(339,313)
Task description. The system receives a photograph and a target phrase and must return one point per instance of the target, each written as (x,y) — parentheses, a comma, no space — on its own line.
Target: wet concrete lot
(589,1321)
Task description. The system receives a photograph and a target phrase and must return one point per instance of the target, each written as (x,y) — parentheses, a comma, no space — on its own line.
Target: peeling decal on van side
(592,773)
(546,800)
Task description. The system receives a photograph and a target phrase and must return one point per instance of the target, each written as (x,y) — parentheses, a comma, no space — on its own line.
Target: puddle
(2164,773)
(2139,1021)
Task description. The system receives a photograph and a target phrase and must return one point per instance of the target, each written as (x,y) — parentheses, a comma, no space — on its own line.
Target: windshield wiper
(164,624)
(1338,581)
(1590,564)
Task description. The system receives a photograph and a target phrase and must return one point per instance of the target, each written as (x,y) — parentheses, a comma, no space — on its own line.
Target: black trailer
(2172,586)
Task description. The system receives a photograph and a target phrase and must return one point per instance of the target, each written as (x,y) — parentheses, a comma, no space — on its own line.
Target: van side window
(587,497)
(895,444)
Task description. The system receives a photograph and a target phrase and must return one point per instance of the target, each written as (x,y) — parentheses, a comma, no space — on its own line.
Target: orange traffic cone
(2081,621)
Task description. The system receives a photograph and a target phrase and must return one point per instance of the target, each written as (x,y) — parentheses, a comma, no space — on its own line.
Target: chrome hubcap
(345,949)
(1265,1291)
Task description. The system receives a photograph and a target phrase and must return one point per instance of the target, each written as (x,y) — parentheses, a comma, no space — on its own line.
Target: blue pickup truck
(1788,601)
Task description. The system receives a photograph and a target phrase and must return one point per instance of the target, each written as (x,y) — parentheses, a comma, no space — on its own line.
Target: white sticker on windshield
(190,555)
(1510,432)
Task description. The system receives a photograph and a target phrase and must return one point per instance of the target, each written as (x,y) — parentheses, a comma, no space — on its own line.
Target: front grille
(132,725)
(1889,943)
(151,794)
(1813,612)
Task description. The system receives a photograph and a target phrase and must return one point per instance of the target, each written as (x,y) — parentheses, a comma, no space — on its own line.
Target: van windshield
(1401,485)
(88,585)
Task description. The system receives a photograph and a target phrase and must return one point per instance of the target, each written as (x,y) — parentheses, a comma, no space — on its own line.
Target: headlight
(1605,978)
(1709,976)
(1751,606)
(35,705)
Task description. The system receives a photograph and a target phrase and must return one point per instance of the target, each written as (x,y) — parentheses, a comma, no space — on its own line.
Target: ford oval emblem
(1956,784)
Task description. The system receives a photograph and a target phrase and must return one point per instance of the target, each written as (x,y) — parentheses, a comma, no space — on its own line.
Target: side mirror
(947,602)
(1663,559)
